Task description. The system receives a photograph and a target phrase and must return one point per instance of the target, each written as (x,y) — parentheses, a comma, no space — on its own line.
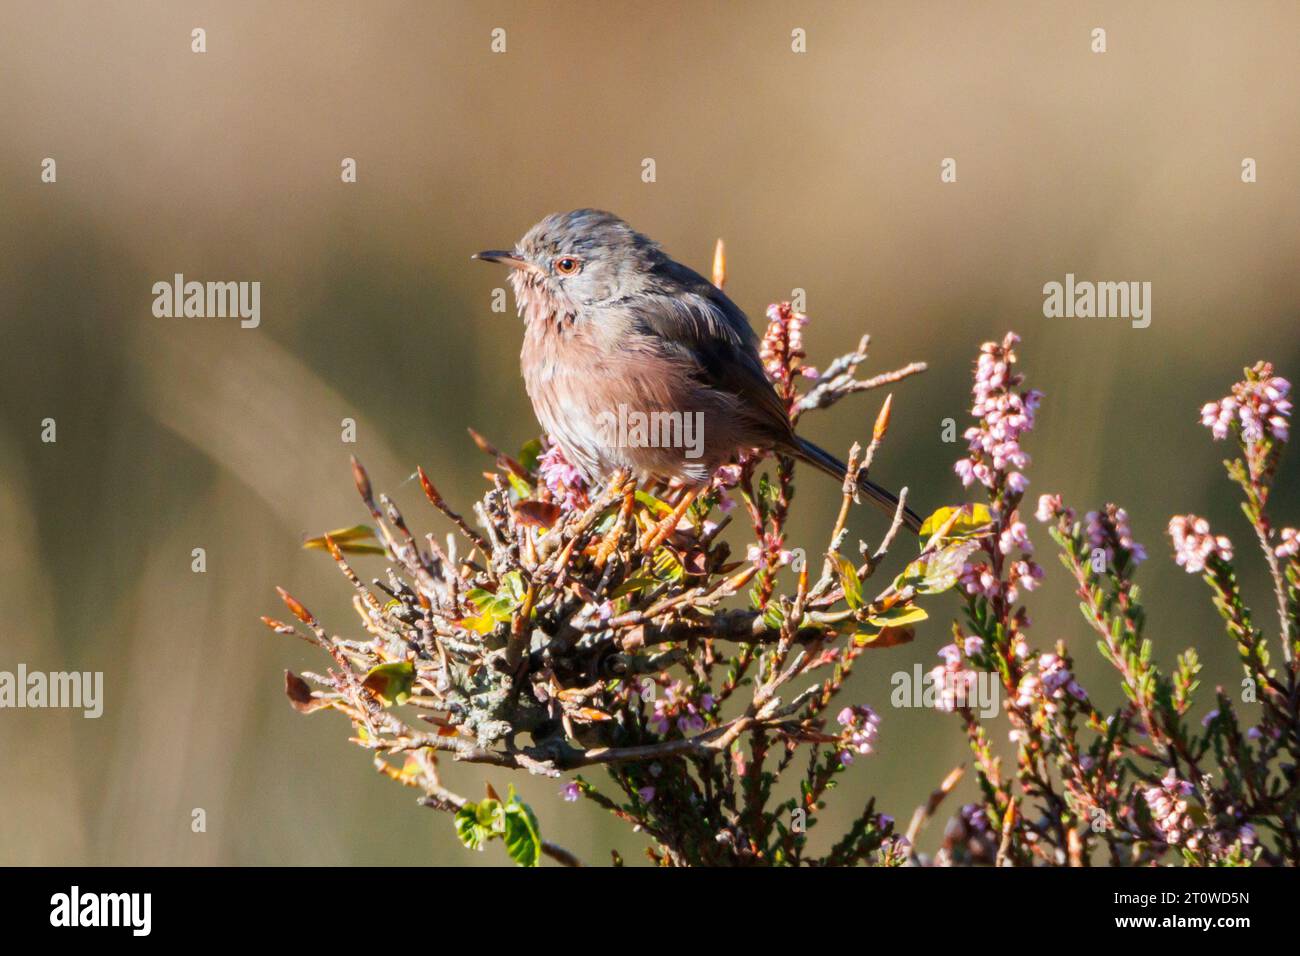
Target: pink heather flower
(571,791)
(565,482)
(1015,535)
(1057,678)
(1022,574)
(759,555)
(1194,546)
(969,837)
(1049,686)
(674,709)
(1110,528)
(973,645)
(1051,507)
(728,476)
(861,725)
(1169,808)
(1258,406)
(781,349)
(996,458)
(974,816)
(1290,545)
(978,579)
(1029,688)
(953,680)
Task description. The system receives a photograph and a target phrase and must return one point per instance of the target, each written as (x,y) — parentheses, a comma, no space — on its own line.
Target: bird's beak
(501,255)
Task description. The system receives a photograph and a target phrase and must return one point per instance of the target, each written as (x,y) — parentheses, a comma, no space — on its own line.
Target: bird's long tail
(823,460)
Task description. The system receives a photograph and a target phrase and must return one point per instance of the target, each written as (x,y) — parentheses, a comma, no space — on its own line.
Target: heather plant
(609,639)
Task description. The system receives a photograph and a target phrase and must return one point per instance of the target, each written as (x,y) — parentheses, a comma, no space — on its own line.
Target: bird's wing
(701,326)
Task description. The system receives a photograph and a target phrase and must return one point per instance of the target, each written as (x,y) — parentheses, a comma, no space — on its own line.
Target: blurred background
(821,170)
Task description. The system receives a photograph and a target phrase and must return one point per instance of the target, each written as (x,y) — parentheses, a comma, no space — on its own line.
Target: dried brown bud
(294,605)
(882,419)
(430,491)
(363,484)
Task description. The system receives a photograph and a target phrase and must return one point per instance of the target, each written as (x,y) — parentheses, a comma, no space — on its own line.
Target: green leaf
(392,682)
(530,455)
(351,540)
(522,835)
(848,579)
(494,608)
(520,487)
(632,585)
(937,571)
(667,567)
(774,616)
(514,822)
(661,508)
(513,585)
(477,823)
(768,495)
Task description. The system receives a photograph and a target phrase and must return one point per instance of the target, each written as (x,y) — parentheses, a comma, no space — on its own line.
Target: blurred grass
(820,170)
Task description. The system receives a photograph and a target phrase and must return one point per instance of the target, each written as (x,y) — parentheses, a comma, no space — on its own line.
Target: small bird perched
(611,322)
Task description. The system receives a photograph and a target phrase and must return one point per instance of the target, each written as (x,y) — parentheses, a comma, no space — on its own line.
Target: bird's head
(574,260)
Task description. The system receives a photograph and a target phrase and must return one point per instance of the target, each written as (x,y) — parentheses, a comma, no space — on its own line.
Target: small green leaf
(351,540)
(514,822)
(520,487)
(661,508)
(937,571)
(513,585)
(522,835)
(476,823)
(667,567)
(774,616)
(392,681)
(848,580)
(530,455)
(768,495)
(494,608)
(632,585)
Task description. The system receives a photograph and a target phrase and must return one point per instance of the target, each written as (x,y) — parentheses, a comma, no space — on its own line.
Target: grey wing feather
(714,334)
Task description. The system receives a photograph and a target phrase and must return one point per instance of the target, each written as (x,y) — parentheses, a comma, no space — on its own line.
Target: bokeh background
(821,170)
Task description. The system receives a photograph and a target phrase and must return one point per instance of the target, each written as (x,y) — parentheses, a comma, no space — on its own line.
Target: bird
(612,323)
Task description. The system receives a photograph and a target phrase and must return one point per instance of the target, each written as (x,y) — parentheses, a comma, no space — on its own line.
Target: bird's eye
(566,265)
